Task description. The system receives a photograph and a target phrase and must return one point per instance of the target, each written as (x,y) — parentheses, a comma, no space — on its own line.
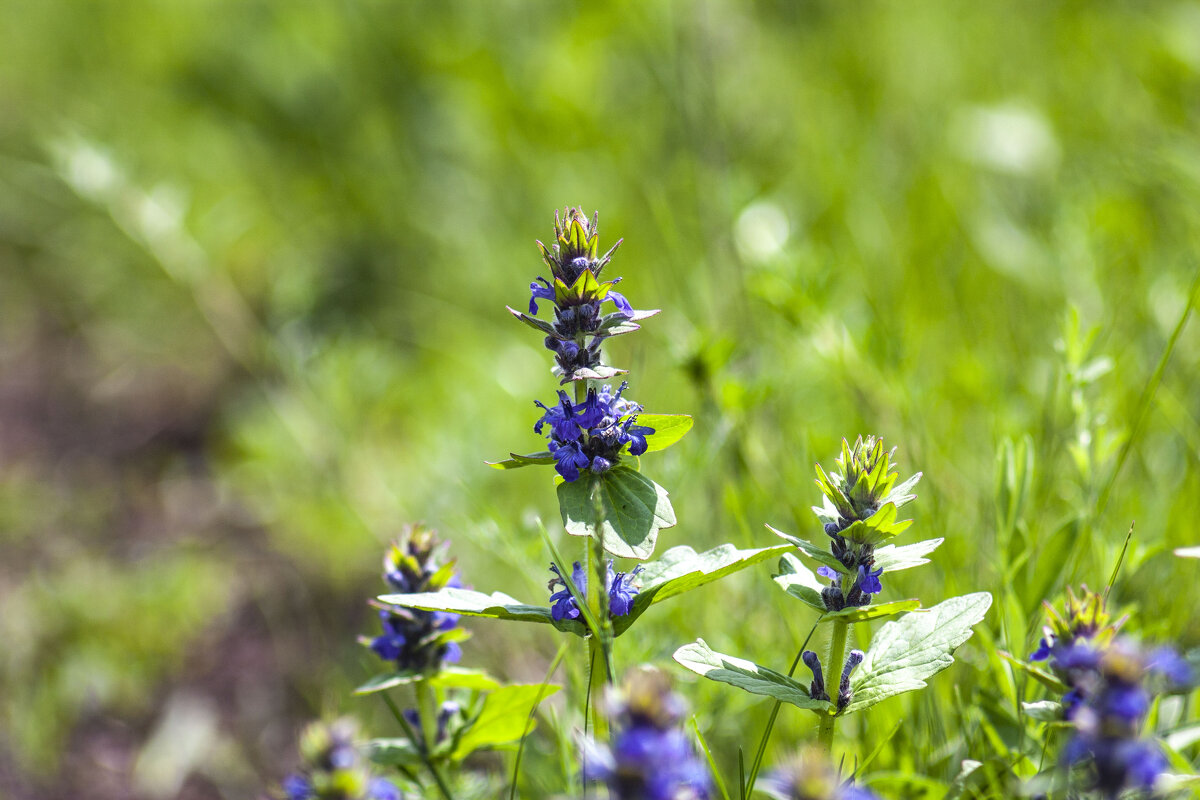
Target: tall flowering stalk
(594,433)
(650,758)
(334,769)
(1106,683)
(858,515)
(595,437)
(417,641)
(810,775)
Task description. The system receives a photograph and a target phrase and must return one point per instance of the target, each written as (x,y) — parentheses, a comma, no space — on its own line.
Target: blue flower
(1043,651)
(383,789)
(539,292)
(621,303)
(298,787)
(650,758)
(562,602)
(1128,702)
(619,587)
(593,434)
(621,590)
(563,419)
(410,638)
(830,573)
(868,581)
(569,459)
(810,775)
(390,643)
(333,767)
(1166,662)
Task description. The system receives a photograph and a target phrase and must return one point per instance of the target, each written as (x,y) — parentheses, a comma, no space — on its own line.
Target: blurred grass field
(254,259)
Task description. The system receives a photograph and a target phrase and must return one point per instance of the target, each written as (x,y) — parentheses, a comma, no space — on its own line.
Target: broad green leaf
(798,581)
(668,429)
(389,680)
(533,322)
(701,659)
(518,461)
(463,678)
(503,719)
(873,611)
(906,652)
(394,752)
(1187,552)
(679,570)
(812,551)
(1044,710)
(477,604)
(682,569)
(893,558)
(630,511)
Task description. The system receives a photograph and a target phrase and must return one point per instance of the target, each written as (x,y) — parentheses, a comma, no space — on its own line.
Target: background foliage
(254,259)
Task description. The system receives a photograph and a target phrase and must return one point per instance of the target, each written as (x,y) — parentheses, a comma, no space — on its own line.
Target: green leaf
(394,752)
(533,322)
(1184,737)
(462,678)
(906,652)
(873,611)
(389,680)
(503,719)
(701,659)
(902,494)
(477,604)
(796,579)
(518,461)
(893,558)
(812,551)
(668,429)
(1044,710)
(682,569)
(630,511)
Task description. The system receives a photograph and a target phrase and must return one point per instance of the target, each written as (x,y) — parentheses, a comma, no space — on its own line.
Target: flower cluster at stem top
(333,768)
(574,287)
(651,758)
(810,775)
(1111,682)
(414,639)
(592,435)
(619,587)
(853,497)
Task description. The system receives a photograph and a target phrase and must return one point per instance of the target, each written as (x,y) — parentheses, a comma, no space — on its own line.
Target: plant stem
(426,708)
(408,731)
(833,677)
(762,743)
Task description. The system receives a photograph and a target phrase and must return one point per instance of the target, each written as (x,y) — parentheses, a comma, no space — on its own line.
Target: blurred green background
(254,259)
